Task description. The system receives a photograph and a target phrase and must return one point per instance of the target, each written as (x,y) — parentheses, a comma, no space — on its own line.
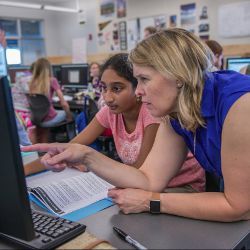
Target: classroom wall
(60,28)
(170,7)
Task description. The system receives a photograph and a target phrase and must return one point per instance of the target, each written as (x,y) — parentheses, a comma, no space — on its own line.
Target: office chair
(104,143)
(39,106)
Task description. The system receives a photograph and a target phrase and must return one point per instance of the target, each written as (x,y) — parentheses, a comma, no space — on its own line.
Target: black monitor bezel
(57,76)
(84,73)
(15,212)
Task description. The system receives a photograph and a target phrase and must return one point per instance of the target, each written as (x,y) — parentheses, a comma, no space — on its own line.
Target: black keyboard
(50,231)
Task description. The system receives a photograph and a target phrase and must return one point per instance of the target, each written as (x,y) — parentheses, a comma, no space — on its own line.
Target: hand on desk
(131,200)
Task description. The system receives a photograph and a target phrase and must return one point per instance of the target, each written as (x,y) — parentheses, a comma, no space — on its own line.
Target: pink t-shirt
(191,173)
(54,86)
(127,145)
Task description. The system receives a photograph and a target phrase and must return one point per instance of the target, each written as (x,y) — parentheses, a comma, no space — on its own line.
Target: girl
(42,82)
(133,128)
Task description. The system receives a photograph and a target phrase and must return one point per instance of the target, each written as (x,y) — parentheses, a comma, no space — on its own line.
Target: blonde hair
(178,54)
(40,82)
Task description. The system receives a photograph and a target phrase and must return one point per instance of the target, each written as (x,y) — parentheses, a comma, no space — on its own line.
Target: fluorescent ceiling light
(23,5)
(56,8)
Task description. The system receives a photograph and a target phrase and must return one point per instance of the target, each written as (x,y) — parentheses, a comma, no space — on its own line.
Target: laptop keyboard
(51,231)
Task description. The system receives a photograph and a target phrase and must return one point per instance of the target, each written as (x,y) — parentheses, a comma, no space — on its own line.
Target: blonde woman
(43,82)
(205,112)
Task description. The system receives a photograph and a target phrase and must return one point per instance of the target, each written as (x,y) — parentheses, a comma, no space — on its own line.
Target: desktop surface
(167,231)
(163,231)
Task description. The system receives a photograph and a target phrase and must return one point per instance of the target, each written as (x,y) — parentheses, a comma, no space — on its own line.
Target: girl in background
(94,73)
(43,82)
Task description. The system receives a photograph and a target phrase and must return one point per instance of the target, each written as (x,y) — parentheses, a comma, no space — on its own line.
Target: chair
(39,106)
(103,143)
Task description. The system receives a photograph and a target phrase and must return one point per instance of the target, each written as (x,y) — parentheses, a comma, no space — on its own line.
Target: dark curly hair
(121,65)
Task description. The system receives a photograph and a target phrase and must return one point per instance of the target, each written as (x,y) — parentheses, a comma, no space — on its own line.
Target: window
(10,27)
(25,41)
(13,53)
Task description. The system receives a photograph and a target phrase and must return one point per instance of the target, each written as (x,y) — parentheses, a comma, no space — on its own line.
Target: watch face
(155,207)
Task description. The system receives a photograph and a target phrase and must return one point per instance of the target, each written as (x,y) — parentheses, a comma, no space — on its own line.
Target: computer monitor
(75,75)
(13,71)
(15,212)
(57,72)
(237,63)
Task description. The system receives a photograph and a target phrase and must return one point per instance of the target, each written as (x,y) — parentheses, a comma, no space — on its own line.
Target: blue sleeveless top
(221,90)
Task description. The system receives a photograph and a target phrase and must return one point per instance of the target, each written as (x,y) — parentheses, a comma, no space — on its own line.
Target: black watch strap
(155,203)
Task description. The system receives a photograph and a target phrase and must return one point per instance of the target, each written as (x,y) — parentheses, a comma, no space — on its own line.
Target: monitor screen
(15,212)
(237,64)
(57,72)
(16,71)
(75,75)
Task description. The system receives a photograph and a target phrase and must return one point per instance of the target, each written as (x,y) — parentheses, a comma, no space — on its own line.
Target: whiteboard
(234,19)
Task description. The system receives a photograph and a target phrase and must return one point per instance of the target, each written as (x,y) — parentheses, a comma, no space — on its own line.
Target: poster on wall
(79,50)
(172,21)
(188,16)
(102,25)
(132,33)
(115,42)
(123,35)
(160,22)
(203,26)
(203,14)
(121,8)
(204,37)
(108,37)
(107,8)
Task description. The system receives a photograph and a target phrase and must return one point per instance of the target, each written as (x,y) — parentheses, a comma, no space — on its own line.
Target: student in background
(149,30)
(204,111)
(94,73)
(218,53)
(42,82)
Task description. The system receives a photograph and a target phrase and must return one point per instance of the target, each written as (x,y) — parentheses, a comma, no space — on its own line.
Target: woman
(203,111)
(43,82)
(217,50)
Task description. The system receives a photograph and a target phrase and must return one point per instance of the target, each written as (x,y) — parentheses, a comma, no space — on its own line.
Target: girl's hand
(60,155)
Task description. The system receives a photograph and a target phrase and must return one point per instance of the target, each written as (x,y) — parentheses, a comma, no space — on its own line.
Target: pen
(128,238)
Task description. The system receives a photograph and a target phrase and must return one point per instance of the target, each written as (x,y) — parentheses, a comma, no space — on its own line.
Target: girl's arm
(147,143)
(90,133)
(64,104)
(162,163)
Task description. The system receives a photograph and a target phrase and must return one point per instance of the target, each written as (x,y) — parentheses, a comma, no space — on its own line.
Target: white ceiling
(52,2)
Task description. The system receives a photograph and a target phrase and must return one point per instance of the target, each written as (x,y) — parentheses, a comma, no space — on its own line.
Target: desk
(74,105)
(166,231)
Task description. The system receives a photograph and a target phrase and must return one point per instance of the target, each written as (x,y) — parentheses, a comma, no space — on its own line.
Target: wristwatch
(155,203)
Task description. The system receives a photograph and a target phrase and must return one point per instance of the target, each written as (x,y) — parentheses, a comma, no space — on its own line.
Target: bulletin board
(158,21)
(234,19)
